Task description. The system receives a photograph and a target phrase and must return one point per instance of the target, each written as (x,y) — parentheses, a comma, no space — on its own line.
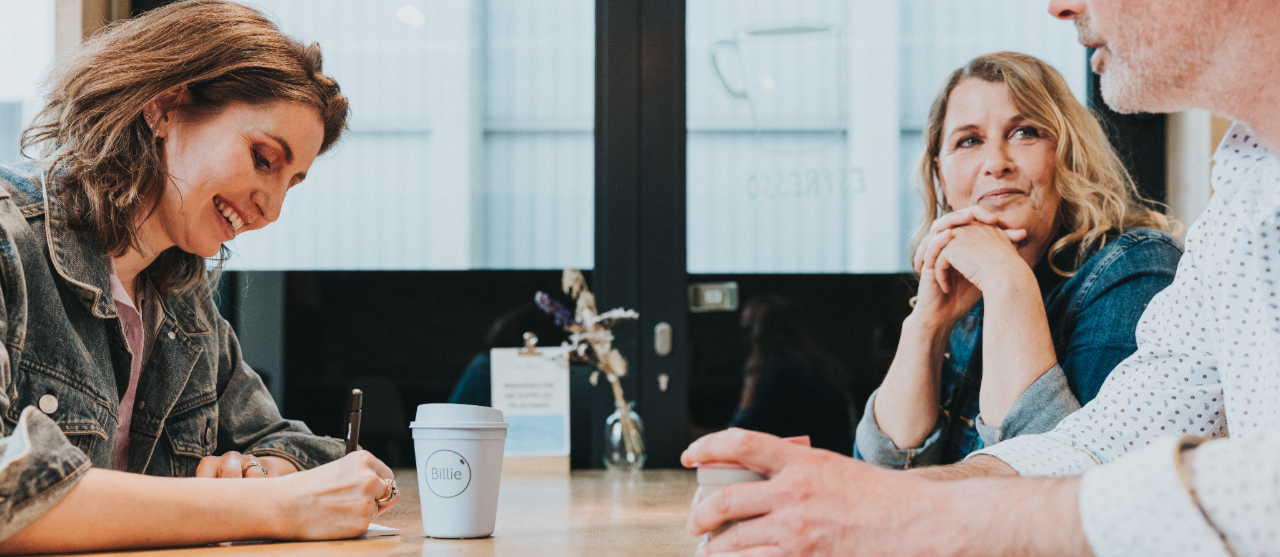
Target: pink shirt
(133,331)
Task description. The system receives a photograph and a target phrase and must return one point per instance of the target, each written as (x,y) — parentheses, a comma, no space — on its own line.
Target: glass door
(803,131)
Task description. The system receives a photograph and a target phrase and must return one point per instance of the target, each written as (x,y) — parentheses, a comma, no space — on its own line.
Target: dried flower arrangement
(591,342)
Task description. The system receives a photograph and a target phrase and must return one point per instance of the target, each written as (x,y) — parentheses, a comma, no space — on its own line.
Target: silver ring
(392,492)
(265,472)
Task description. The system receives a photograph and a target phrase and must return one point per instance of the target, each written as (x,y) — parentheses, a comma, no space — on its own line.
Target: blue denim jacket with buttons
(66,363)
(1093,316)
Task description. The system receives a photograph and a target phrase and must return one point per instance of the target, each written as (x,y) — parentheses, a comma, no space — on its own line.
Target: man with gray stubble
(1179,454)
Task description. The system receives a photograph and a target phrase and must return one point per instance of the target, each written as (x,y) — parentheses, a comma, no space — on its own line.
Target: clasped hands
(967,252)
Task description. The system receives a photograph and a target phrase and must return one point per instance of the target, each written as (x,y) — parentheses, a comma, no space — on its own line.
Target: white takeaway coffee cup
(458,448)
(712,476)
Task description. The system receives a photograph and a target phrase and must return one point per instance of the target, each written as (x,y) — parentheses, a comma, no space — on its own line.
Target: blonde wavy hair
(1099,198)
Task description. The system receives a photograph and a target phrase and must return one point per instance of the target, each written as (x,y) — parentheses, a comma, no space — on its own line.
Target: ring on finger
(260,467)
(392,492)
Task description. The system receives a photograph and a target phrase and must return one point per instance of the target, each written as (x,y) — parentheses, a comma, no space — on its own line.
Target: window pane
(804,121)
(470,144)
(26,53)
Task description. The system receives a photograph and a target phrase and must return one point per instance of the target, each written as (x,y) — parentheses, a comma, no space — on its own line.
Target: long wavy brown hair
(1099,198)
(93,142)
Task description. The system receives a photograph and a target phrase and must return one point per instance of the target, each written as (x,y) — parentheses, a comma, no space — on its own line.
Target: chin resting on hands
(971,243)
(963,217)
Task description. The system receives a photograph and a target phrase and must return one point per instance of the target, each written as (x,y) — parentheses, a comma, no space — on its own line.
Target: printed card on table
(532,391)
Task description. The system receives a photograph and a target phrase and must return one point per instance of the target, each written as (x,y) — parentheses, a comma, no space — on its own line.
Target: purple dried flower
(563,317)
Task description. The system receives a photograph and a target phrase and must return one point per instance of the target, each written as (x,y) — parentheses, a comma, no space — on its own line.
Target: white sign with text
(532,391)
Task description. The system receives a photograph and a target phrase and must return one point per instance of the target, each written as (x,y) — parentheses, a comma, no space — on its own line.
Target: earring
(147,115)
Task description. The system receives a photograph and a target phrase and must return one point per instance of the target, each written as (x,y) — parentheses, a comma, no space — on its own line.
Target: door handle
(662,339)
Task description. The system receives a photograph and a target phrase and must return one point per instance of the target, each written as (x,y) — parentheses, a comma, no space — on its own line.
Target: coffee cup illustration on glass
(791,73)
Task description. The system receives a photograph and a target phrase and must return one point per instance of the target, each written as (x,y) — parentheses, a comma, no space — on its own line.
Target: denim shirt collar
(77,258)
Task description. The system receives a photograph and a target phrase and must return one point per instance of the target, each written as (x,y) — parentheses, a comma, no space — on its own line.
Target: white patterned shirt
(1208,358)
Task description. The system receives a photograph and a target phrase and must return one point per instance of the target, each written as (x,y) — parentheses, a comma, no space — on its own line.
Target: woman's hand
(943,300)
(968,215)
(337,500)
(1016,338)
(981,254)
(236,465)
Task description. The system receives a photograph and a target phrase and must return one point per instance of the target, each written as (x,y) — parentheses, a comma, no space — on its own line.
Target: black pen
(353,421)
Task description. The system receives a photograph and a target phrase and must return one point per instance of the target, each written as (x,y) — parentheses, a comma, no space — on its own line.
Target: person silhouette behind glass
(507,331)
(791,385)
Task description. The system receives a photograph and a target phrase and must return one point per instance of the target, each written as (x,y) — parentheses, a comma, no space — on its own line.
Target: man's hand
(816,502)
(978,466)
(236,465)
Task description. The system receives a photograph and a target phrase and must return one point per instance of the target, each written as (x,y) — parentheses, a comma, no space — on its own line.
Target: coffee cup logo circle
(447,473)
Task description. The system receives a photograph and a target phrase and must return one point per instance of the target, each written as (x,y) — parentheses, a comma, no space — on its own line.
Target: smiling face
(228,173)
(992,155)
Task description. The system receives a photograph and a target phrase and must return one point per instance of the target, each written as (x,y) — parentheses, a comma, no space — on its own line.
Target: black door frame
(640,210)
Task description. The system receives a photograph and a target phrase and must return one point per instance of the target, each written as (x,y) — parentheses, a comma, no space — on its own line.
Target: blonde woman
(161,139)
(1036,261)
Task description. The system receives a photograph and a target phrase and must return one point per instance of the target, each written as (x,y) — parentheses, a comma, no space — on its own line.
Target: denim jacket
(1093,316)
(66,363)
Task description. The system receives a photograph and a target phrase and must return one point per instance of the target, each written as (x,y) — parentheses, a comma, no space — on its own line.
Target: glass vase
(624,439)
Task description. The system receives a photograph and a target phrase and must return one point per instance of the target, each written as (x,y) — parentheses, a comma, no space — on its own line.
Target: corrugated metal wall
(538,195)
(395,194)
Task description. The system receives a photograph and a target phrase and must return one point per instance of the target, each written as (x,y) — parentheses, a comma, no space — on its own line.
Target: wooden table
(589,513)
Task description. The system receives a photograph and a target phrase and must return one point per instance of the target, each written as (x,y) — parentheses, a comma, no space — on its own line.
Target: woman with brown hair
(162,138)
(1036,257)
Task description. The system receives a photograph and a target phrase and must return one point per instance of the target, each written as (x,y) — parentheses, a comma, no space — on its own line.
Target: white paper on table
(374,531)
(532,391)
(378,530)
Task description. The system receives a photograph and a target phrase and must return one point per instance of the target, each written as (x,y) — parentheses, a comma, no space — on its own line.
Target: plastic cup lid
(457,416)
(459,425)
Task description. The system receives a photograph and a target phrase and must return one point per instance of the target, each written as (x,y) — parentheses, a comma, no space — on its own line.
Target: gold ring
(392,492)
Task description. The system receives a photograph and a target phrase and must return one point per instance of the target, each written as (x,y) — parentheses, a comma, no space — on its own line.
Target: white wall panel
(470,145)
(541,64)
(27,32)
(938,36)
(760,209)
(787,102)
(537,199)
(538,204)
